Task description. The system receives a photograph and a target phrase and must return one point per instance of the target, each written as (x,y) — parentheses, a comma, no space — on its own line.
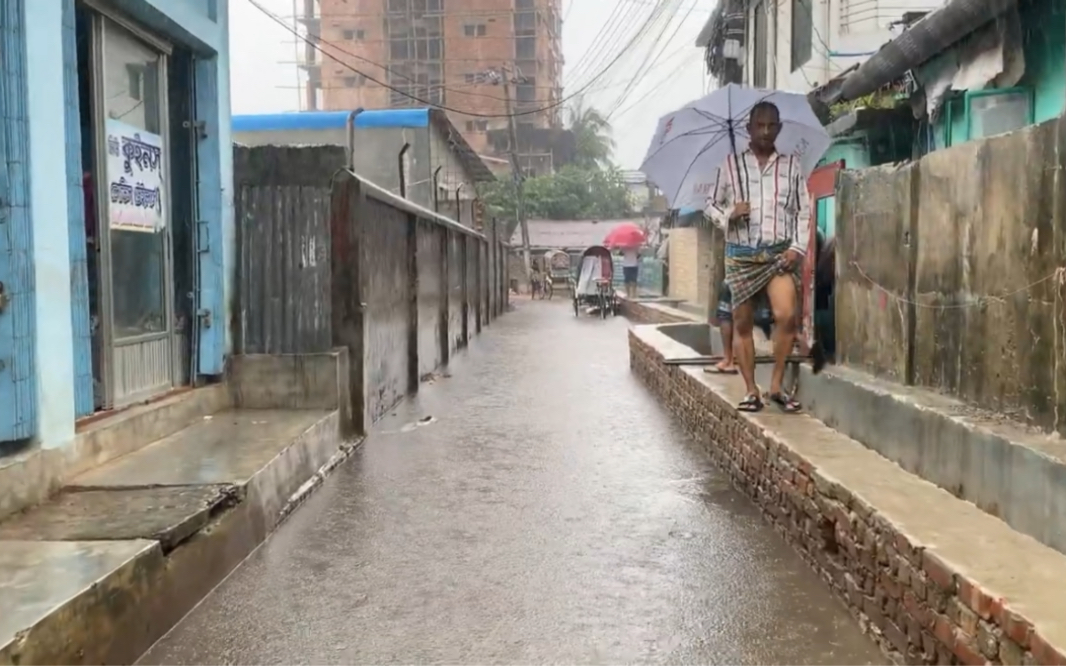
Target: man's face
(763,129)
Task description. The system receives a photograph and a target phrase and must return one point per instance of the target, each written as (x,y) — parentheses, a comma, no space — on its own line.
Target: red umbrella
(625,235)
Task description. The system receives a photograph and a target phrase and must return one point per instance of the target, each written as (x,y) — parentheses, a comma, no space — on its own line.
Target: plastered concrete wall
(388,293)
(431,293)
(873,255)
(948,273)
(455,292)
(695,264)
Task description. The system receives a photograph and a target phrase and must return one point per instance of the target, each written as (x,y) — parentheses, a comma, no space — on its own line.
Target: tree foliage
(593,144)
(571,193)
(590,187)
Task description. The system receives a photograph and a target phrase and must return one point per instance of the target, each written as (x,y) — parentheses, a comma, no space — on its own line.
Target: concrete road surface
(534,505)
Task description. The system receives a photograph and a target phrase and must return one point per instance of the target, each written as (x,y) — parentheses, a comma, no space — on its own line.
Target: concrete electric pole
(516,171)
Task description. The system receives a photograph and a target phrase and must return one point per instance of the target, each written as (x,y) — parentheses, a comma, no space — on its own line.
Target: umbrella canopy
(625,235)
(691,143)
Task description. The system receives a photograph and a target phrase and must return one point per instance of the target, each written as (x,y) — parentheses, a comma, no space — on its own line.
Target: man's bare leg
(744,344)
(782,293)
(727,364)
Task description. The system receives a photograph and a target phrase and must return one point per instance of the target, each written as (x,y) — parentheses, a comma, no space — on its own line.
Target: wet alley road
(550,512)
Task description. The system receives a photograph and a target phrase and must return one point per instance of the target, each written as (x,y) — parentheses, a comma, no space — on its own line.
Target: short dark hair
(764,106)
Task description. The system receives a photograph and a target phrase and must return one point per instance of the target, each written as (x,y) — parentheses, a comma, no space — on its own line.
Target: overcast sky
(264,78)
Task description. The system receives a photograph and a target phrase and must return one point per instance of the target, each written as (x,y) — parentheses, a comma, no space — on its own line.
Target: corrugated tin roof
(317,120)
(572,234)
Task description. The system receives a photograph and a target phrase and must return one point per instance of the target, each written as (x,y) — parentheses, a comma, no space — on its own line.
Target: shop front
(143,109)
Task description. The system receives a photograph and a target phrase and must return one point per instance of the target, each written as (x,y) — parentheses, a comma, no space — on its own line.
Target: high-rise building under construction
(450,53)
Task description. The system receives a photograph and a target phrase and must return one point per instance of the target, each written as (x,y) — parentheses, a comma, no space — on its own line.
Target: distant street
(534,505)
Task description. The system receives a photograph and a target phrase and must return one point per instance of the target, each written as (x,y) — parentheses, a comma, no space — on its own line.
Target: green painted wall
(852,150)
(1044,44)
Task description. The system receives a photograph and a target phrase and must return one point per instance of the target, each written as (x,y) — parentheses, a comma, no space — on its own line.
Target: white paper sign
(134,179)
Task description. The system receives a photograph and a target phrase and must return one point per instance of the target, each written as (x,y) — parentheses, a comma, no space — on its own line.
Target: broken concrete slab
(169,515)
(229,448)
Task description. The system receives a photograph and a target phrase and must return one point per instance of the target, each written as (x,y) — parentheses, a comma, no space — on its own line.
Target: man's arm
(720,202)
(803,214)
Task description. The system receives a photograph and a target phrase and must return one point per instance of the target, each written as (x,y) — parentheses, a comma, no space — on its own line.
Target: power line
(455,87)
(645,67)
(608,28)
(667,79)
(554,105)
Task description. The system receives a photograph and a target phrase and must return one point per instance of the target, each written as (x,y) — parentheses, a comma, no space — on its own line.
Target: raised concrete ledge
(656,311)
(289,381)
(145,537)
(932,577)
(1011,472)
(32,476)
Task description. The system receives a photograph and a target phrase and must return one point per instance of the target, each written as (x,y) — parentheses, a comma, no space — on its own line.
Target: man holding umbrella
(760,199)
(744,154)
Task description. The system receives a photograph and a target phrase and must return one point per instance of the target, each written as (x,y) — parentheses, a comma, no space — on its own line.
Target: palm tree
(593,144)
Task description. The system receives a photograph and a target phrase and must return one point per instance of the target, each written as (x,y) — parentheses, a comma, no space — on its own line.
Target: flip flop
(715,370)
(751,403)
(786,402)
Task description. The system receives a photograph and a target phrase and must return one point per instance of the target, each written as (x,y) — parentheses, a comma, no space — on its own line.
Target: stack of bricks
(917,608)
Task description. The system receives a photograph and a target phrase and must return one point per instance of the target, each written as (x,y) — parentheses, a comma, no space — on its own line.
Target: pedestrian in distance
(630,270)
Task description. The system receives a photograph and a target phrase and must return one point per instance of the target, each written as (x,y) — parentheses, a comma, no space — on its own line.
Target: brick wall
(914,604)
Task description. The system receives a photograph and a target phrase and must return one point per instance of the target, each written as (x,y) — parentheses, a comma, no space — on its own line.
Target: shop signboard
(134,179)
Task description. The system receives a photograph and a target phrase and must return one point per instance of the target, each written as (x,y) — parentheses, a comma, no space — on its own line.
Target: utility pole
(516,171)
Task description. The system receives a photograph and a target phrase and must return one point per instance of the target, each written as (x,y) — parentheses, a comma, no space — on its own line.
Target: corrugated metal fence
(327,259)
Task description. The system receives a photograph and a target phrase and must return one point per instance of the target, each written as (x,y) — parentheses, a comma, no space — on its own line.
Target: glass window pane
(137,212)
(998,113)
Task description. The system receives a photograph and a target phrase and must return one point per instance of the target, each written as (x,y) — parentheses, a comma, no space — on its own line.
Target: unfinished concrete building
(448,53)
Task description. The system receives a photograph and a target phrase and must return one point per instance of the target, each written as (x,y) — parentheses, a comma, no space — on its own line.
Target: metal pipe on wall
(403,176)
(458,208)
(350,126)
(436,189)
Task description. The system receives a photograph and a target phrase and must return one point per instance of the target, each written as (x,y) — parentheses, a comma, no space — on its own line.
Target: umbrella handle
(736,157)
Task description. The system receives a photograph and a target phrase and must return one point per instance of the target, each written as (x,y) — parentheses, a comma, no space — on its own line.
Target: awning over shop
(929,36)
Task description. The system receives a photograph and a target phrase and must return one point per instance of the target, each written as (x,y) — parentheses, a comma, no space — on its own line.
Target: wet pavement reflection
(532,505)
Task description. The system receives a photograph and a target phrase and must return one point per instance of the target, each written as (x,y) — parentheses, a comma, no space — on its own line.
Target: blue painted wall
(56,320)
(18,341)
(46,94)
(79,262)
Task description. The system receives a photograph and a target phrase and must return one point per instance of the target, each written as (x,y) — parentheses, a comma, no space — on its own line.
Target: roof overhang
(931,35)
(471,161)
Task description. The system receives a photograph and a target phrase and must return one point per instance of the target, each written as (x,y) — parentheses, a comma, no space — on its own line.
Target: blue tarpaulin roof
(319,120)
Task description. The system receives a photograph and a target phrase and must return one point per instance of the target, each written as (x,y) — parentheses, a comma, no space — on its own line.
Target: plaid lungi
(749,269)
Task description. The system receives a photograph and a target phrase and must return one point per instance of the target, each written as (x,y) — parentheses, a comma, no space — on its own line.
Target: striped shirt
(777,193)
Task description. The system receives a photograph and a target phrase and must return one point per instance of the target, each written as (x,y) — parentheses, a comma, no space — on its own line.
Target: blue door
(210,335)
(18,400)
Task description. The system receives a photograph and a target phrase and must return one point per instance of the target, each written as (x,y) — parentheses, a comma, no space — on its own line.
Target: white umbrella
(691,143)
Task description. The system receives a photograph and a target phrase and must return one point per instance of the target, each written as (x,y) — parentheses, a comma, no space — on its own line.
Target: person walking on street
(760,200)
(630,266)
